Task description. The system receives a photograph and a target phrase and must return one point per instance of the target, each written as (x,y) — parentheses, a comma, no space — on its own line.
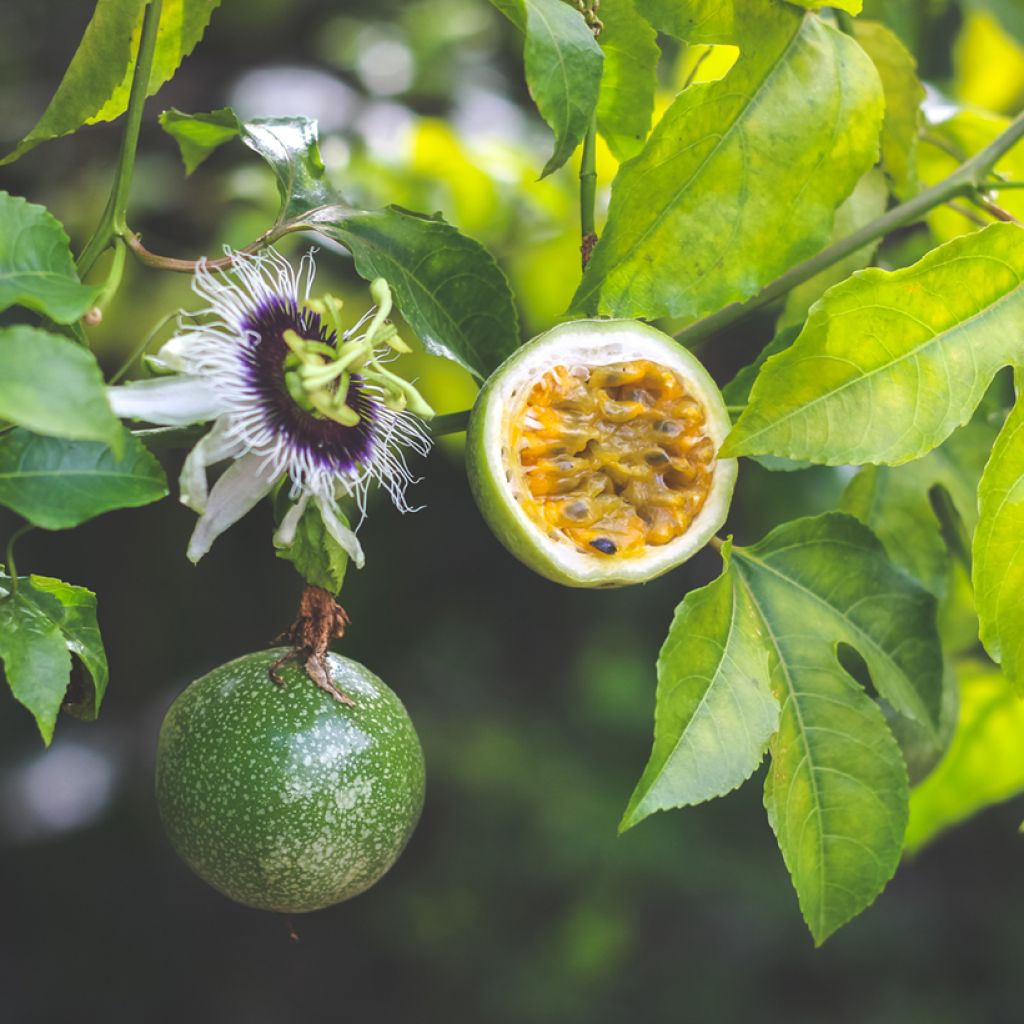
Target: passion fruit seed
(592,453)
(281,797)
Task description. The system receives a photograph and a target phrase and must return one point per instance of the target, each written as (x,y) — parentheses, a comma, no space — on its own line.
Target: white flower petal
(172,401)
(173,355)
(241,487)
(340,532)
(213,447)
(285,535)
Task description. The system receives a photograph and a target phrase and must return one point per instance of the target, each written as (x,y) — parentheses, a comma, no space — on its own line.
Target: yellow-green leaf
(998,563)
(984,764)
(903,97)
(890,364)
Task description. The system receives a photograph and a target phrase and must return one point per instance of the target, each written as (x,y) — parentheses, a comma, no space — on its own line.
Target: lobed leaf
(447,286)
(998,555)
(741,177)
(891,363)
(625,102)
(563,69)
(37,269)
(96,85)
(904,95)
(836,793)
(715,711)
(41,626)
(985,761)
(57,484)
(52,386)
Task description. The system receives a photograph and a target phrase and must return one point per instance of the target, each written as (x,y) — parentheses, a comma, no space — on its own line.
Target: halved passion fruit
(592,452)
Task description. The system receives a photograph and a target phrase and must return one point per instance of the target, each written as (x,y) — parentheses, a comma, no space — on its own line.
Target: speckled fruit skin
(281,797)
(603,341)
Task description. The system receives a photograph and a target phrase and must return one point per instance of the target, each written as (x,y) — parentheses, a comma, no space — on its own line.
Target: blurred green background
(515,901)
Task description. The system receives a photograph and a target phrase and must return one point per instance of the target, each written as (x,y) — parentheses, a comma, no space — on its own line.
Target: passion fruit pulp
(592,453)
(281,797)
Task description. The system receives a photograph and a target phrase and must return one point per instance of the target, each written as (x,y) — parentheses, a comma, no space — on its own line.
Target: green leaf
(836,793)
(41,626)
(890,364)
(985,761)
(36,267)
(57,484)
(447,286)
(288,144)
(625,102)
(97,82)
(867,202)
(895,501)
(904,95)
(715,712)
(318,558)
(740,178)
(54,387)
(198,135)
(563,69)
(998,562)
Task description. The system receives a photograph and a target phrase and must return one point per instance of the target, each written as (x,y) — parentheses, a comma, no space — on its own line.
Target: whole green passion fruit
(592,453)
(281,797)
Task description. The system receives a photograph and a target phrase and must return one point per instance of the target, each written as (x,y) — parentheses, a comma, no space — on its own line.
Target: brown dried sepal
(319,621)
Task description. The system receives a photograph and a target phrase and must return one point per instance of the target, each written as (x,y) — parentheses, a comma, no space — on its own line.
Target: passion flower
(291,396)
(593,453)
(280,796)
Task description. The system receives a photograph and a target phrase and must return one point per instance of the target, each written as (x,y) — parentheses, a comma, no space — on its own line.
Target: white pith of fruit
(591,344)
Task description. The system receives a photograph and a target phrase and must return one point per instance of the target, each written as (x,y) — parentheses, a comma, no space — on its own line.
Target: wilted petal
(337,528)
(172,402)
(211,448)
(285,535)
(240,488)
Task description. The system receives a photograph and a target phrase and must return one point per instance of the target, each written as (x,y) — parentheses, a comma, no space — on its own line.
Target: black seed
(604,545)
(669,427)
(656,458)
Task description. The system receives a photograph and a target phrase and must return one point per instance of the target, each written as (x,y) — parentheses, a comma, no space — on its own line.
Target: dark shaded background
(515,900)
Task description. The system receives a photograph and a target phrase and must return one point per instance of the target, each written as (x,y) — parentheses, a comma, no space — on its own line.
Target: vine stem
(966,180)
(588,193)
(112,222)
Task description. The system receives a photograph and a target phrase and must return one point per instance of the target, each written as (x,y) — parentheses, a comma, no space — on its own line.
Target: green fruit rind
(280,797)
(591,342)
